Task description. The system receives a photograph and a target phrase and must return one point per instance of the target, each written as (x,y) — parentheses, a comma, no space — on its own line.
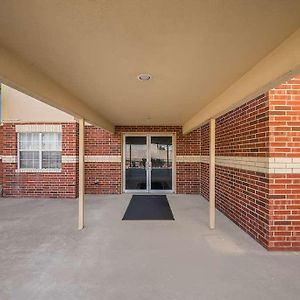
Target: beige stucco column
(81,175)
(212,171)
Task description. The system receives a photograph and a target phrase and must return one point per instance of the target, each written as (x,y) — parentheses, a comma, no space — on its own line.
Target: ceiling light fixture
(144,77)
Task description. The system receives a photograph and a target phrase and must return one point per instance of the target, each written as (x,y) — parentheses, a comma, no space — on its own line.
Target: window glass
(40,150)
(29,141)
(51,159)
(51,141)
(29,159)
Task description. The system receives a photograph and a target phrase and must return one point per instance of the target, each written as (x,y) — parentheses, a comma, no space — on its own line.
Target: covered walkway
(43,257)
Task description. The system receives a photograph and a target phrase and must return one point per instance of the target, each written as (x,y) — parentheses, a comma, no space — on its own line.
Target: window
(39,150)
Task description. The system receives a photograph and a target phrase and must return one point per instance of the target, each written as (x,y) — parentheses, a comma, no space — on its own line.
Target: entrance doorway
(148,163)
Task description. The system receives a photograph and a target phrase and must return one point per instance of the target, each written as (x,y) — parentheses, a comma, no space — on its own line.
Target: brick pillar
(284,203)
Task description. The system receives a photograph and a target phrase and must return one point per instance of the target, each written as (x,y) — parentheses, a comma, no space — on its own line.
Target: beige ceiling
(193,49)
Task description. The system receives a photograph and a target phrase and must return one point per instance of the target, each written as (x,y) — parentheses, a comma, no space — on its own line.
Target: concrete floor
(43,256)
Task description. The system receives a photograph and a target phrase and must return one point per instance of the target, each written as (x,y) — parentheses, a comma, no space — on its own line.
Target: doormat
(148,207)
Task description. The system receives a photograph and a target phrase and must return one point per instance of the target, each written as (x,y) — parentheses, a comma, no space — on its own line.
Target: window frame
(40,150)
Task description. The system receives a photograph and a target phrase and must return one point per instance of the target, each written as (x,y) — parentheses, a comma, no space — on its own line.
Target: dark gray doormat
(148,207)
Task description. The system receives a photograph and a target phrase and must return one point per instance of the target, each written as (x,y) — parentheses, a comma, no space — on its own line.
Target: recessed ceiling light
(144,77)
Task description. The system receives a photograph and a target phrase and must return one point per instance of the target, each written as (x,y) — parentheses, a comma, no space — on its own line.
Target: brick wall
(266,203)
(1,166)
(241,195)
(285,146)
(101,142)
(40,184)
(244,131)
(187,173)
(102,177)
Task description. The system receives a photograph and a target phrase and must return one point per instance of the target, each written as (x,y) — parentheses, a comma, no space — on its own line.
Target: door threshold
(149,193)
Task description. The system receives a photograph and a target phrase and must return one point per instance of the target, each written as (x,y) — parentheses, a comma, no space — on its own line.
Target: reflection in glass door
(161,163)
(148,163)
(135,163)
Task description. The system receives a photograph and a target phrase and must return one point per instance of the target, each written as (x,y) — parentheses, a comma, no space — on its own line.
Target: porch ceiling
(194,50)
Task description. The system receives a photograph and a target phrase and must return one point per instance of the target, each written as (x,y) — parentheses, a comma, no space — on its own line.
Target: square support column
(212,173)
(81,175)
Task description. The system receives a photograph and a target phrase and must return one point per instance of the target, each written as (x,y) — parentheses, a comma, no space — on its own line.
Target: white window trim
(38,128)
(40,169)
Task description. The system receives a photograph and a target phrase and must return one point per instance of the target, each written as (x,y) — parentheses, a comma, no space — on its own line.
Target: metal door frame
(148,168)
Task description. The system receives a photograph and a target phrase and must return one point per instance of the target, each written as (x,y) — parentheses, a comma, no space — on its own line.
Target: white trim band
(39,128)
(9,159)
(188,158)
(270,165)
(256,164)
(204,159)
(69,159)
(284,165)
(103,158)
(38,170)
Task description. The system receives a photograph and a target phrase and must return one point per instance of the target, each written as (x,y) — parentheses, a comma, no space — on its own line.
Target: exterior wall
(28,109)
(187,155)
(43,183)
(103,167)
(258,166)
(240,194)
(1,166)
(103,163)
(204,146)
(285,151)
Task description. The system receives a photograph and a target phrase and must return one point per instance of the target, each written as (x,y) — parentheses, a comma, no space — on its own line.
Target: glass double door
(148,163)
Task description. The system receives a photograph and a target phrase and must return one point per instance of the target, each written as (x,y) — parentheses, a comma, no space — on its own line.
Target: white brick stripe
(38,171)
(256,164)
(9,159)
(289,165)
(272,165)
(69,159)
(39,128)
(204,159)
(188,158)
(103,158)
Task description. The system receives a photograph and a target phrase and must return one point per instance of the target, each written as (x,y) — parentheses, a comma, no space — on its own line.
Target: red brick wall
(267,206)
(106,177)
(187,174)
(285,188)
(204,184)
(285,119)
(101,142)
(204,167)
(284,206)
(1,150)
(204,143)
(40,184)
(243,197)
(244,131)
(102,177)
